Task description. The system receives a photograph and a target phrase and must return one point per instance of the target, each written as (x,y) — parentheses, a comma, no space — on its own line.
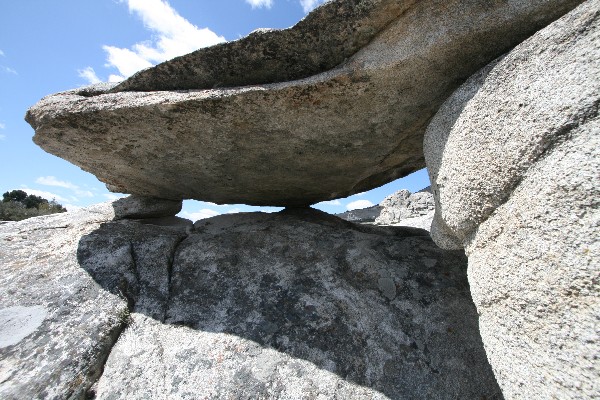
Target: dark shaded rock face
(353,122)
(298,304)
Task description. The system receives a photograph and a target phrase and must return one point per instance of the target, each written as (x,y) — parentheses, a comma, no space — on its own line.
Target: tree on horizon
(17,205)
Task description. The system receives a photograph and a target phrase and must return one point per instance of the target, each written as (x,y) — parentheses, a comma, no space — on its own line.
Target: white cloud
(233,211)
(89,75)
(175,36)
(359,204)
(84,193)
(330,203)
(8,70)
(309,5)
(114,196)
(71,207)
(1,53)
(45,195)
(260,3)
(2,137)
(2,126)
(115,78)
(125,60)
(52,181)
(200,214)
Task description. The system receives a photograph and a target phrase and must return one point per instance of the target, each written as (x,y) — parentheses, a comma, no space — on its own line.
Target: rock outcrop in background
(298,304)
(402,208)
(514,163)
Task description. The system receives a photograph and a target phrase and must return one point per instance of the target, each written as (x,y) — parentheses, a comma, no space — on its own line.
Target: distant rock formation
(361,215)
(407,209)
(370,82)
(514,161)
(298,304)
(402,208)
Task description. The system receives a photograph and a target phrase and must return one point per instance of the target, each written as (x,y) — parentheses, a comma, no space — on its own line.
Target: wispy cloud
(309,5)
(355,205)
(1,53)
(114,196)
(52,181)
(8,70)
(2,126)
(200,214)
(45,194)
(2,137)
(330,203)
(89,75)
(175,36)
(260,3)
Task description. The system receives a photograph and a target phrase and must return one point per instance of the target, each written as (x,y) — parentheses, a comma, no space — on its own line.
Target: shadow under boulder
(298,304)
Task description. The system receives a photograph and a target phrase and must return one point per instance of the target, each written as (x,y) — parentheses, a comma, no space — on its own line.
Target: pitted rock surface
(298,305)
(514,162)
(324,39)
(58,324)
(341,131)
(301,305)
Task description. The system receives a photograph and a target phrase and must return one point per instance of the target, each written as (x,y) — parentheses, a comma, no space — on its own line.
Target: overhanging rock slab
(340,131)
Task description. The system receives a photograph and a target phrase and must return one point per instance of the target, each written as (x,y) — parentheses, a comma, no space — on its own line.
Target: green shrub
(17,205)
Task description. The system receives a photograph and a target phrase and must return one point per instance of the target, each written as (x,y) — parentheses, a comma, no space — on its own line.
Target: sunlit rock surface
(350,119)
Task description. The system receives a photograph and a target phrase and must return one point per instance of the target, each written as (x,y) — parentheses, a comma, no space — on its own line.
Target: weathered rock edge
(63,355)
(340,132)
(515,107)
(324,39)
(514,158)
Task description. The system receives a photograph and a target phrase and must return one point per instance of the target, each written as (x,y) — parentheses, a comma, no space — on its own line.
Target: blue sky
(47,46)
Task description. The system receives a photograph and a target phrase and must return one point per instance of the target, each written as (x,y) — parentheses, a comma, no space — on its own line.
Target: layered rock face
(343,124)
(292,305)
(514,162)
